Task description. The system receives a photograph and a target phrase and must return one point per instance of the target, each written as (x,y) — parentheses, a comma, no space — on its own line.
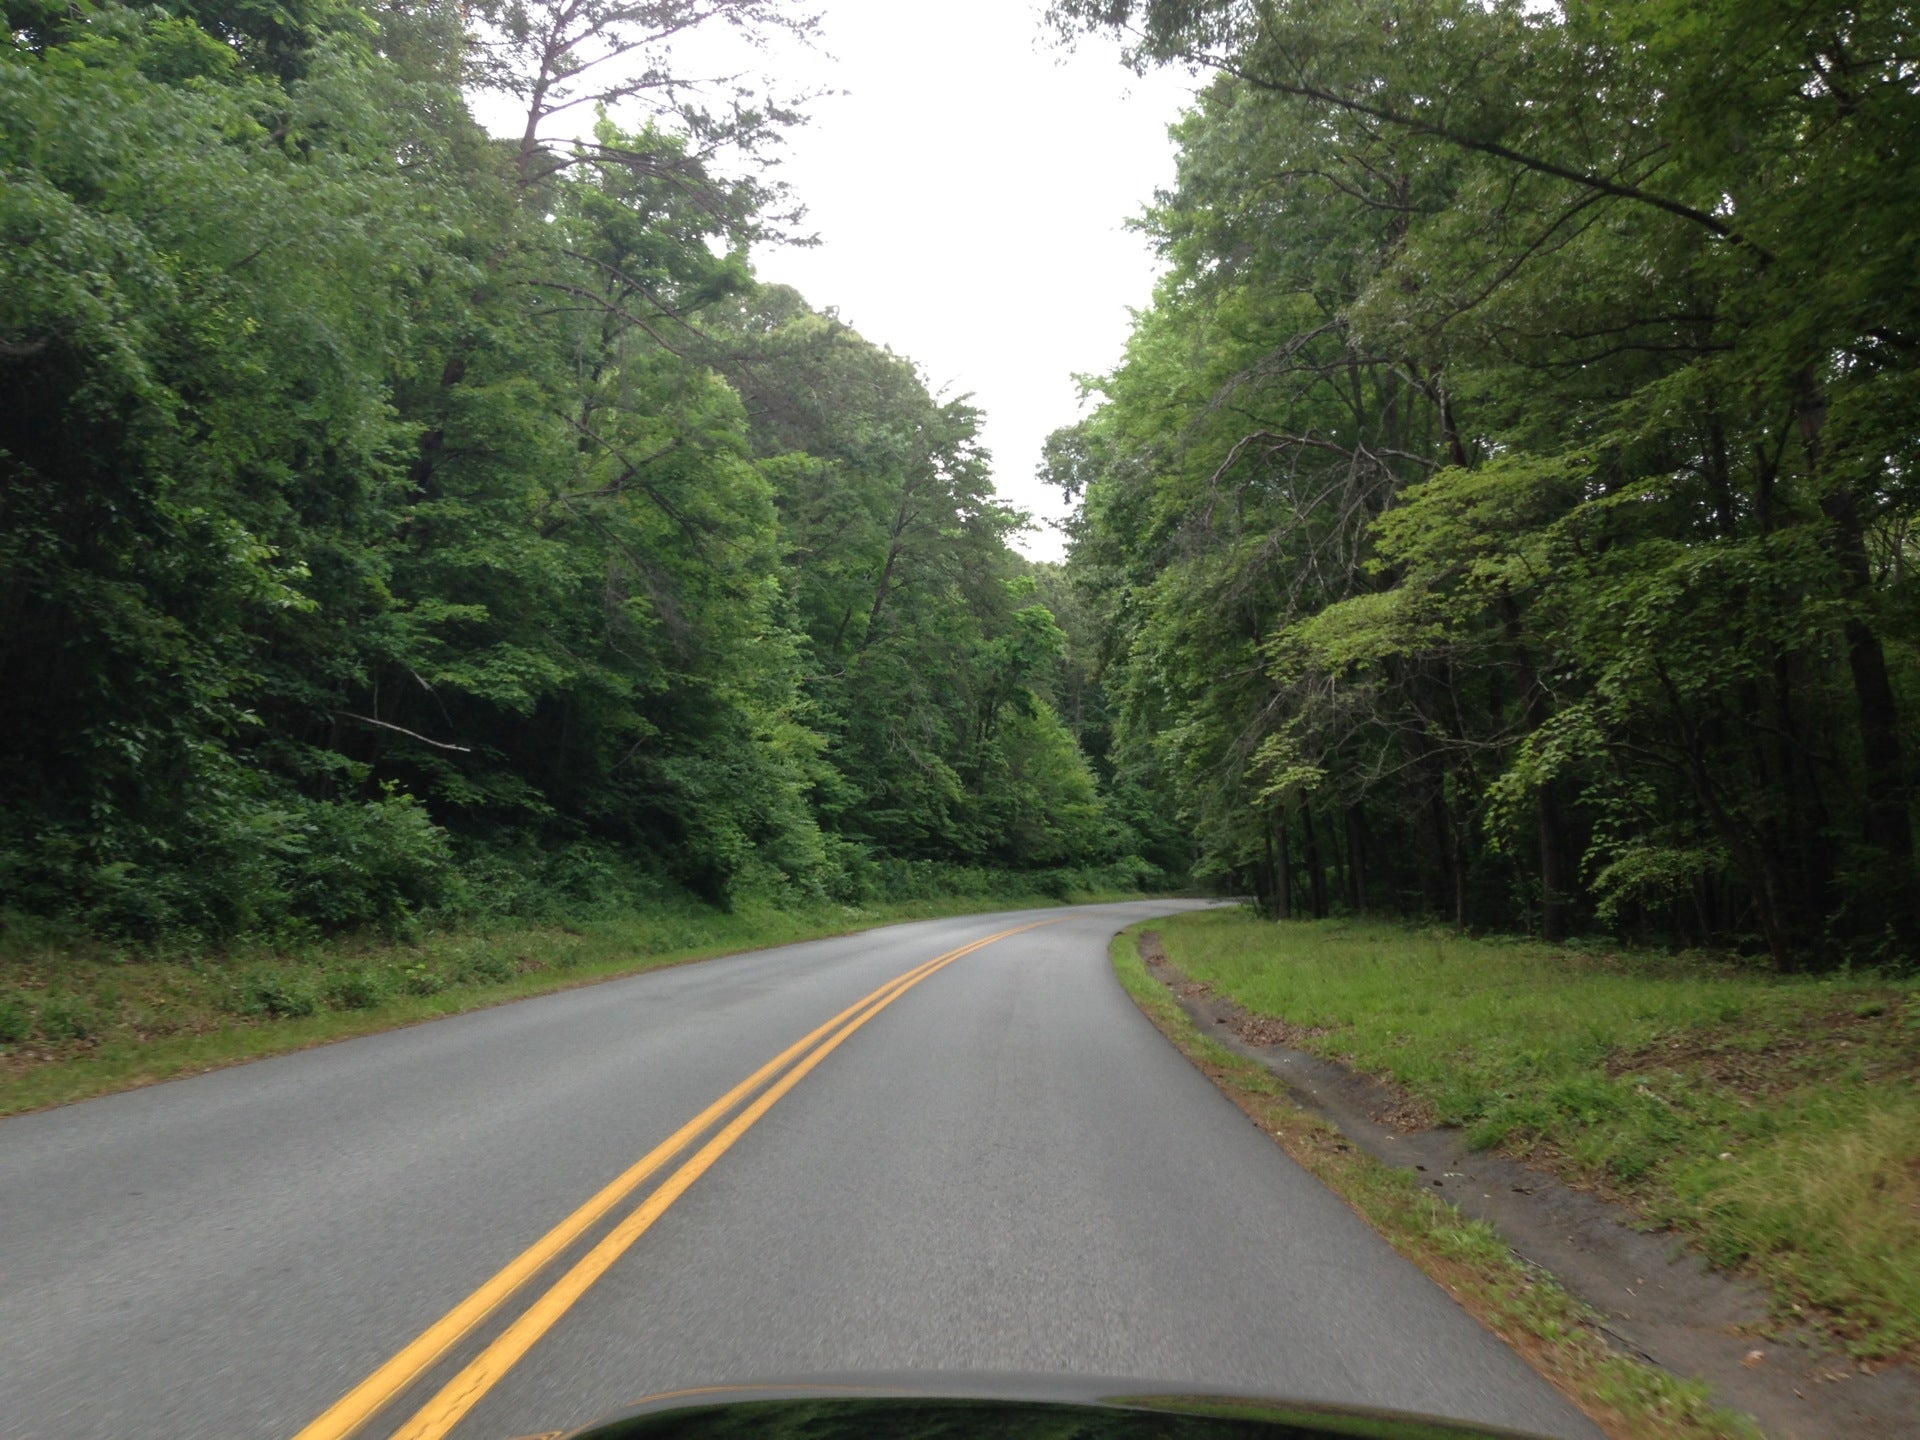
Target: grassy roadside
(1627,1398)
(76,1023)
(1774,1120)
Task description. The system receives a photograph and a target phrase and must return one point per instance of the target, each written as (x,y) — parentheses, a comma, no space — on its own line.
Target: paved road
(1006,1169)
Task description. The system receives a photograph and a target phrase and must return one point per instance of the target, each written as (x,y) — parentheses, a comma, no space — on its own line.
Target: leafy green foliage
(397,523)
(1506,510)
(275,991)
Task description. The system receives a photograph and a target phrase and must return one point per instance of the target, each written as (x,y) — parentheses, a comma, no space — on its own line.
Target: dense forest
(399,520)
(1506,509)
(1504,512)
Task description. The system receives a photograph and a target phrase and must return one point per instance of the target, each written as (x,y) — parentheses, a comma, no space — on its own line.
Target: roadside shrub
(519,878)
(375,863)
(356,990)
(237,857)
(209,876)
(284,994)
(1057,884)
(564,957)
(67,1017)
(420,978)
(487,967)
(16,1020)
(583,877)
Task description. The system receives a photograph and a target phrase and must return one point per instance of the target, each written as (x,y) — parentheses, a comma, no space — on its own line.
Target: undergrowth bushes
(307,870)
(284,870)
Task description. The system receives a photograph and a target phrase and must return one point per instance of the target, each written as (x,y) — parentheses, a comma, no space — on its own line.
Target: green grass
(1626,1397)
(1776,1121)
(78,1021)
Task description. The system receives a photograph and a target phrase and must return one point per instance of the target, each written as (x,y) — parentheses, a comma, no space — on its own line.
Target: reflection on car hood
(999,1407)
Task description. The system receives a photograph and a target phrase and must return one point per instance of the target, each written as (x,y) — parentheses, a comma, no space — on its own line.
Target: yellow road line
(460,1394)
(365,1400)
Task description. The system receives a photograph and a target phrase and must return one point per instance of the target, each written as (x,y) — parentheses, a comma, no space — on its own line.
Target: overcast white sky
(970,189)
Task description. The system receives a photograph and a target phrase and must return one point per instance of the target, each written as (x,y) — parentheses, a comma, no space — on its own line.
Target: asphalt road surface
(1002,1168)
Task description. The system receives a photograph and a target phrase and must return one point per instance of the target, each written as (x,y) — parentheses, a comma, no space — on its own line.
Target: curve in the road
(1003,1168)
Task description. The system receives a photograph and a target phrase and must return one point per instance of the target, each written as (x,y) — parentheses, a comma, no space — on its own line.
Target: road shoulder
(75,1026)
(1560,1336)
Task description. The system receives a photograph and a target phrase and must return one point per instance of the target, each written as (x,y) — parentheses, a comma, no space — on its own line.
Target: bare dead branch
(401,730)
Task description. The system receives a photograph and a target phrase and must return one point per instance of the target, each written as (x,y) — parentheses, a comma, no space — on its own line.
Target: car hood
(917,1406)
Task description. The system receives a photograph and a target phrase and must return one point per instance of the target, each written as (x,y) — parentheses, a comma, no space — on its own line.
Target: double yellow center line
(460,1394)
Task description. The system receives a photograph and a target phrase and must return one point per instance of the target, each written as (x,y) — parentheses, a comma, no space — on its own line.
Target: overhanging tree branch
(1619,189)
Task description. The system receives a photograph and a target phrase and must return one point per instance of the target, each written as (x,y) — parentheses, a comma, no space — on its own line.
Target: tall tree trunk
(881,591)
(1356,837)
(1442,895)
(1555,871)
(1811,816)
(1755,865)
(1337,846)
(1453,847)
(536,113)
(1283,866)
(1316,876)
(1888,823)
(1459,880)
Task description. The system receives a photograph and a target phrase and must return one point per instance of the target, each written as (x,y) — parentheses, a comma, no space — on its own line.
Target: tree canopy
(1506,508)
(395,518)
